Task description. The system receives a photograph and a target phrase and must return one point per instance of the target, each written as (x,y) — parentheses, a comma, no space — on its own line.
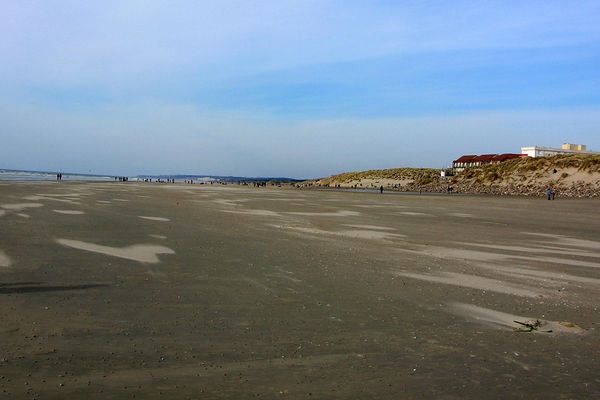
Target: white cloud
(117,43)
(159,138)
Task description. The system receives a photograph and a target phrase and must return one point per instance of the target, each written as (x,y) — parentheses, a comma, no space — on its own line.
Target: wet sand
(179,291)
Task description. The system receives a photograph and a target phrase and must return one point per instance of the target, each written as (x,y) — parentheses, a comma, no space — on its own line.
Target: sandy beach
(132,290)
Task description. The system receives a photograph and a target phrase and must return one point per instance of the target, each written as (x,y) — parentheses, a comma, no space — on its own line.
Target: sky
(291,88)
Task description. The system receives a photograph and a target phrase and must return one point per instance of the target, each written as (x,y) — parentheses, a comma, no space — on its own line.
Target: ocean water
(16,175)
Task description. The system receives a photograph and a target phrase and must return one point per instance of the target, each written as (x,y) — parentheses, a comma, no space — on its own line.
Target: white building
(567,148)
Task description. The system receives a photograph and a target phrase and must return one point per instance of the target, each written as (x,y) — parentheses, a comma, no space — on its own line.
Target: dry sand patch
(20,206)
(69,212)
(260,213)
(144,253)
(473,282)
(163,219)
(22,215)
(563,251)
(414,214)
(473,255)
(502,320)
(568,241)
(461,215)
(232,203)
(339,213)
(371,227)
(541,275)
(5,261)
(38,198)
(61,195)
(352,233)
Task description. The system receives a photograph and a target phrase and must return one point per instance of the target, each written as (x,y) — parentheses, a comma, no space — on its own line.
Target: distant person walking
(550,193)
(381,189)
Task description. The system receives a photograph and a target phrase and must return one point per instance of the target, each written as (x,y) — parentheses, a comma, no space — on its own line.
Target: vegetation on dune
(392,173)
(533,167)
(523,176)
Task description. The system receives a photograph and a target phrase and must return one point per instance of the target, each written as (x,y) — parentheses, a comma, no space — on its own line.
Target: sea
(24,175)
(21,175)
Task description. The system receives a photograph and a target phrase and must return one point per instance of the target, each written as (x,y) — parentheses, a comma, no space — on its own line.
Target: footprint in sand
(144,253)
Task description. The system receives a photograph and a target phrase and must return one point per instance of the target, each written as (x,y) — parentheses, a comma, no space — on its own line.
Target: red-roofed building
(475,161)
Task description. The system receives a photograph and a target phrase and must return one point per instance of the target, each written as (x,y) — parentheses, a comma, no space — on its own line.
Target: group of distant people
(59,176)
(121,178)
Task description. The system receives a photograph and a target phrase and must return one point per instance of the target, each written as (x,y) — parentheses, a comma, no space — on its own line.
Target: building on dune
(472,160)
(567,148)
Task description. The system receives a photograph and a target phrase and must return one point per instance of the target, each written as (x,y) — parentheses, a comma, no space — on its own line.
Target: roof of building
(467,158)
(507,156)
(485,158)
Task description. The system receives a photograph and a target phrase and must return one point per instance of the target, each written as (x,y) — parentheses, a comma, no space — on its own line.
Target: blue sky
(294,88)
